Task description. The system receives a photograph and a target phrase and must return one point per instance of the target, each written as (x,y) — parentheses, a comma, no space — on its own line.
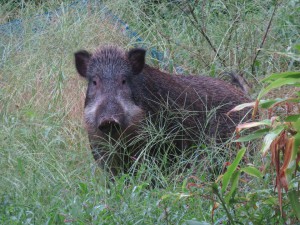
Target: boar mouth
(110,128)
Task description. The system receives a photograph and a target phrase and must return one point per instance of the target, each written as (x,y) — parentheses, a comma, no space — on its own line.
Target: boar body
(123,91)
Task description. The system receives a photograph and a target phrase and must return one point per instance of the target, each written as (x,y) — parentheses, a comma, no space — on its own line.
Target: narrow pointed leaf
(270,137)
(276,76)
(234,184)
(265,104)
(253,124)
(241,107)
(230,170)
(296,149)
(252,171)
(294,197)
(292,118)
(297,125)
(255,135)
(278,83)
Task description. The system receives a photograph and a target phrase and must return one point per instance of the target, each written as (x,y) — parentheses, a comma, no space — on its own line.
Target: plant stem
(216,191)
(264,38)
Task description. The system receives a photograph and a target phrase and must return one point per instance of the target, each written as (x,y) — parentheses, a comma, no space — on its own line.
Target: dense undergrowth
(48,175)
(211,37)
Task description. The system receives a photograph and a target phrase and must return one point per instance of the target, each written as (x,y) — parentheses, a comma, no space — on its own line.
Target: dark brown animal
(123,91)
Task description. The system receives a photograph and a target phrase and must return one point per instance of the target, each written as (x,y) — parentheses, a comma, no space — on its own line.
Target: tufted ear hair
(136,57)
(82,59)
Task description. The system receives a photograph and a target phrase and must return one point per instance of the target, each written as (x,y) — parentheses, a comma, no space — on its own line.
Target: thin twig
(264,38)
(226,33)
(198,27)
(231,29)
(183,46)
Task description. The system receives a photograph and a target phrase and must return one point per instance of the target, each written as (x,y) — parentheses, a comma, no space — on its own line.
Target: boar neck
(161,88)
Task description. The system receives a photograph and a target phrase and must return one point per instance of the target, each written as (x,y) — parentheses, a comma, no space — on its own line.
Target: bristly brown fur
(108,53)
(195,93)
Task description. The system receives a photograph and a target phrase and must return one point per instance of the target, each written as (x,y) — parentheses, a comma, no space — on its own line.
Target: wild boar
(123,91)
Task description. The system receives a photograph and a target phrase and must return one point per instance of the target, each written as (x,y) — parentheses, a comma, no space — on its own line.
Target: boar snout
(109,125)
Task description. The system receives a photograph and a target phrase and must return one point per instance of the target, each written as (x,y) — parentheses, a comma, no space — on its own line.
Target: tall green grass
(211,37)
(44,150)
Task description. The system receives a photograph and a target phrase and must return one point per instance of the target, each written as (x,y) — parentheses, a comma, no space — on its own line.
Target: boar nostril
(108,126)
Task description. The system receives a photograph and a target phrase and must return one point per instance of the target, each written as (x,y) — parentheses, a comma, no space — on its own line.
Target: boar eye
(123,81)
(94,82)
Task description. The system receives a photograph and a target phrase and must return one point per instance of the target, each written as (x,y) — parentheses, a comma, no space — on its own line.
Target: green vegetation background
(48,175)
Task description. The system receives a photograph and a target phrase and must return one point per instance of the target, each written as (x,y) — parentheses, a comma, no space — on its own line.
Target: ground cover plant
(48,175)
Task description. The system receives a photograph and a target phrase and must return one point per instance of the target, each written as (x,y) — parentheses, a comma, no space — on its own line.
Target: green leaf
(212,70)
(234,184)
(252,171)
(215,188)
(294,197)
(270,137)
(83,188)
(20,166)
(257,63)
(183,186)
(278,83)
(265,104)
(292,118)
(255,135)
(297,125)
(296,148)
(230,170)
(276,76)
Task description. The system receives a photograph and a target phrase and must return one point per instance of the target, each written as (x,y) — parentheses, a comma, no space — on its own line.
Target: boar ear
(136,58)
(81,61)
